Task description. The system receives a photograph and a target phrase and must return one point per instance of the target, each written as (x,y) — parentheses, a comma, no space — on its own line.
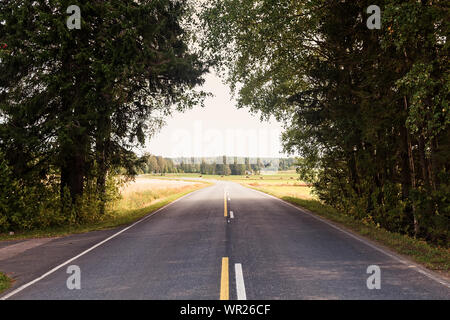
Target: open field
(138,198)
(289,176)
(142,183)
(143,192)
(283,183)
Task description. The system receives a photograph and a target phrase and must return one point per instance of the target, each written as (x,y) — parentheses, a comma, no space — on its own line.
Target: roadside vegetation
(5,282)
(135,200)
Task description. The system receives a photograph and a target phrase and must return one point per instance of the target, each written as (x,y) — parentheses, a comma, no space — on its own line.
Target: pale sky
(217,129)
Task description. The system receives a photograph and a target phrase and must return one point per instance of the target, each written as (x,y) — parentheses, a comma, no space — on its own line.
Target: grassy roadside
(130,209)
(5,282)
(433,258)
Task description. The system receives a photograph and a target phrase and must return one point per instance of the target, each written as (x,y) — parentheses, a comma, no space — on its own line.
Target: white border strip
(93,247)
(410,264)
(240,286)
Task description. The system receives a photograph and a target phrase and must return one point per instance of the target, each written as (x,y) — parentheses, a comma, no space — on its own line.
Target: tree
(248,167)
(203,167)
(240,169)
(152,164)
(77,101)
(162,167)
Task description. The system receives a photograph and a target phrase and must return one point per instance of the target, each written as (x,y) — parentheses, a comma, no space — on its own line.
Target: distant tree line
(226,166)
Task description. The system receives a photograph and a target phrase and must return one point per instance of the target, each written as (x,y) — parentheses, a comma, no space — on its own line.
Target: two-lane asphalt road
(228,241)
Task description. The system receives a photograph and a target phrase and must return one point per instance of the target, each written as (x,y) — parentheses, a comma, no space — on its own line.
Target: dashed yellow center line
(224,281)
(225,211)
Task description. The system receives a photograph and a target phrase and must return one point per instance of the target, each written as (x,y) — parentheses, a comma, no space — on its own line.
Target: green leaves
(75,102)
(367,110)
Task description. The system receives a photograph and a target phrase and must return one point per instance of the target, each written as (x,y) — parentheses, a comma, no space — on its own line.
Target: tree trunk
(412,171)
(74,140)
(424,163)
(102,174)
(102,150)
(72,175)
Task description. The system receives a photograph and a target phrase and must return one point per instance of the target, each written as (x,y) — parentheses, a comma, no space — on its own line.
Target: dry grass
(142,184)
(5,282)
(294,191)
(144,192)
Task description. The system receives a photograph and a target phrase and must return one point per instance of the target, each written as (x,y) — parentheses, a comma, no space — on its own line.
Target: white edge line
(240,286)
(417,267)
(91,248)
(231,215)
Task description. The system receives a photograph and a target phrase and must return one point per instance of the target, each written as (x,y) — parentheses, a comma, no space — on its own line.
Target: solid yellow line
(224,282)
(225,211)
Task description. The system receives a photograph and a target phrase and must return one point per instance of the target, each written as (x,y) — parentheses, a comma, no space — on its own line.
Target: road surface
(229,242)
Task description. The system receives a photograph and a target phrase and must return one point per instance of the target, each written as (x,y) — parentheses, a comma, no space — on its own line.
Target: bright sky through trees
(219,128)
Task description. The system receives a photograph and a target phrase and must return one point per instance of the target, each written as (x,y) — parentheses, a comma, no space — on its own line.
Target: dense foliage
(73,103)
(367,110)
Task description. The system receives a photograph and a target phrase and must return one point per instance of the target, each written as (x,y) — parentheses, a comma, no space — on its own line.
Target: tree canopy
(366,110)
(73,103)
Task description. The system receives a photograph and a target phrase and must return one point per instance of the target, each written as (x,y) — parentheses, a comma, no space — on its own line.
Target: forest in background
(224,165)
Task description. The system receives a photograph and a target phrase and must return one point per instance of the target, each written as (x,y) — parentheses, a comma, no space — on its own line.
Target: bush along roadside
(5,282)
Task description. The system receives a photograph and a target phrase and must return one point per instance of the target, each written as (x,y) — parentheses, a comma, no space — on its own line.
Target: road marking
(225,212)
(224,281)
(240,286)
(231,215)
(91,248)
(229,199)
(416,267)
